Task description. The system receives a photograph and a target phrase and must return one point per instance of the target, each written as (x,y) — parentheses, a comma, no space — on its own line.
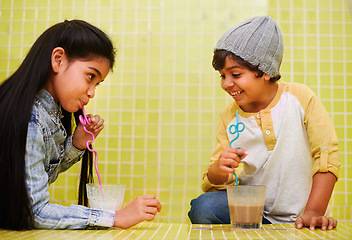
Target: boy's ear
(57,57)
(266,77)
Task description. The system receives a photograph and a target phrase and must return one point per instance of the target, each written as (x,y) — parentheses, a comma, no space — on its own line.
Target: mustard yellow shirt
(288,142)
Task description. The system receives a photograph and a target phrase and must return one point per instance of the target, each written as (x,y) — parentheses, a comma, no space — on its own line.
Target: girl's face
(250,92)
(73,83)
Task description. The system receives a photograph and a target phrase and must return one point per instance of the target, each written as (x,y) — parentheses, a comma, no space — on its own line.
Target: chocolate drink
(246,216)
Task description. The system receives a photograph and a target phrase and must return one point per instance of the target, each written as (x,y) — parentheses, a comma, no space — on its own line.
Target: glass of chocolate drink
(246,205)
(108,197)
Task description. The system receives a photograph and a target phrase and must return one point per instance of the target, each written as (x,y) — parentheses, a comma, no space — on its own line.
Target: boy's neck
(268,97)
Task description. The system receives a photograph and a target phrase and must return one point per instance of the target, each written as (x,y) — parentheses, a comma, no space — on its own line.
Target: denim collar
(47,102)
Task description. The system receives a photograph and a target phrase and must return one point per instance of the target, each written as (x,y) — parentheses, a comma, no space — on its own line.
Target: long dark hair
(79,39)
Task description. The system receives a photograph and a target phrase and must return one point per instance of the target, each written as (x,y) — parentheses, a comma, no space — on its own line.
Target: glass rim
(107,185)
(245,186)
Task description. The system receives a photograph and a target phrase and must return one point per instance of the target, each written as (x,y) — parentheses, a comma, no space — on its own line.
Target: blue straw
(236,178)
(237,132)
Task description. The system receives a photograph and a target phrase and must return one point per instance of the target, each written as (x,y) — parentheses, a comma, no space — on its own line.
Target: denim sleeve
(53,216)
(71,155)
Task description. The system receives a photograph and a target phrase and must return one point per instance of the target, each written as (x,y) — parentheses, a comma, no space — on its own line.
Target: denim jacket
(49,151)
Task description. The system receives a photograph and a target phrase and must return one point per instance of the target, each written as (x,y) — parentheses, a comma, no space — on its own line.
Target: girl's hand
(141,209)
(80,137)
(312,220)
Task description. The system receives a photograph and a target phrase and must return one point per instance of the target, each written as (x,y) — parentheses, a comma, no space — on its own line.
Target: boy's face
(250,92)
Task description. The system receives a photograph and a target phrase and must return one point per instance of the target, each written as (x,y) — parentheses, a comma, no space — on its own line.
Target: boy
(288,143)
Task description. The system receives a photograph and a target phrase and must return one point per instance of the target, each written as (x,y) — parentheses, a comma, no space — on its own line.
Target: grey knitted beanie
(256,40)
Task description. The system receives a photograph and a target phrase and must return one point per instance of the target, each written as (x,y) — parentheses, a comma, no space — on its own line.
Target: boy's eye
(236,75)
(222,76)
(91,76)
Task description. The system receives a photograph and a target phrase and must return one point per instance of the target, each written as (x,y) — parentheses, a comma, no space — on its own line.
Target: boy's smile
(236,93)
(250,92)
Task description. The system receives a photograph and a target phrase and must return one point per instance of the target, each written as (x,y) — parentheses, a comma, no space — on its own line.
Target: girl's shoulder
(35,111)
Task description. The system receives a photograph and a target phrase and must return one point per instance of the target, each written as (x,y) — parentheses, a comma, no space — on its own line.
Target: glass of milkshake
(246,205)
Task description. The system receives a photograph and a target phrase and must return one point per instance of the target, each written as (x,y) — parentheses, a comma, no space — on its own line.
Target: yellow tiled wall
(162,101)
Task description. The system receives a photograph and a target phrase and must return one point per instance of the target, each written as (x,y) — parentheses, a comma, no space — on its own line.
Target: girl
(39,103)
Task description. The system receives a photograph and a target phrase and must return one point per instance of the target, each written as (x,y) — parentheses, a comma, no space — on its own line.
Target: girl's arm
(140,209)
(76,144)
(313,215)
(39,172)
(80,137)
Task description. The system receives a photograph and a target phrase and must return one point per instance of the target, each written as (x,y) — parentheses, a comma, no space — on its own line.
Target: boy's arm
(222,142)
(313,215)
(325,154)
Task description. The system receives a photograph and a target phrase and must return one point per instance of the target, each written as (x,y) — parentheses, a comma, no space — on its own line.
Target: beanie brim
(256,40)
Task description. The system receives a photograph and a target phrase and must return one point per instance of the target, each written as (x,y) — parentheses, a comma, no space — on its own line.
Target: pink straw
(84,121)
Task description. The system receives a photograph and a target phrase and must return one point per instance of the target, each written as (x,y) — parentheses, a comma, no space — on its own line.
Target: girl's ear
(57,57)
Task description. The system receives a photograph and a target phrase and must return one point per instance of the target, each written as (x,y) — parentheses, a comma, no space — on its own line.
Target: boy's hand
(80,137)
(313,220)
(229,160)
(141,209)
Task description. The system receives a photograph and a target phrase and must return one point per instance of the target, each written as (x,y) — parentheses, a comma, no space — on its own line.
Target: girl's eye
(222,76)
(236,75)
